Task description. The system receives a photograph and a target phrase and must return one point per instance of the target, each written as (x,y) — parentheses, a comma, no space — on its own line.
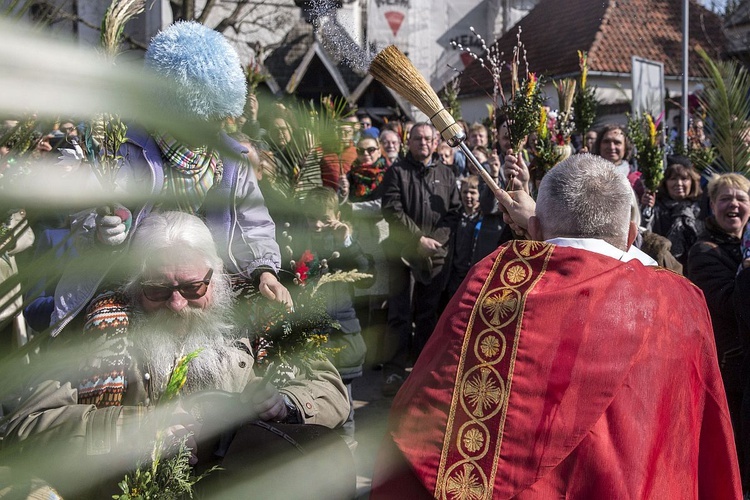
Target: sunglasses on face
(193,290)
(369,150)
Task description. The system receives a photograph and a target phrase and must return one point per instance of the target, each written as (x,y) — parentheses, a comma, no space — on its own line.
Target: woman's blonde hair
(731,180)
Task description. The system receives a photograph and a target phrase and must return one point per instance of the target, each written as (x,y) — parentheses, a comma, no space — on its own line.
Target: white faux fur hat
(205,67)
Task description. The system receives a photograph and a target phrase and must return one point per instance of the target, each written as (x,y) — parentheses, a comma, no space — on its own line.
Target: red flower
(302,270)
(307,257)
(302,267)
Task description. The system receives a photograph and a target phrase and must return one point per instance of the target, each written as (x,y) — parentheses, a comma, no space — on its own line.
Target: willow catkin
(393,69)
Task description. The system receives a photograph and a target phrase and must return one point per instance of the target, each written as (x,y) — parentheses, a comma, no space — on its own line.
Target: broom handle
(478,169)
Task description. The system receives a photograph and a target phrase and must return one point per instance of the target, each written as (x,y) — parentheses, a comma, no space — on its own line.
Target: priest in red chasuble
(564,368)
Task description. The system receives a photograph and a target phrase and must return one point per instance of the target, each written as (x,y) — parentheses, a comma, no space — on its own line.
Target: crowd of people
(275,205)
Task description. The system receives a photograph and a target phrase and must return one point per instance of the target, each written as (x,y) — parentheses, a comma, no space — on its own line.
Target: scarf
(365,179)
(188,173)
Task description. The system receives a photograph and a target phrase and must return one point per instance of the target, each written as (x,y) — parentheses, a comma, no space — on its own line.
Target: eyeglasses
(369,150)
(191,291)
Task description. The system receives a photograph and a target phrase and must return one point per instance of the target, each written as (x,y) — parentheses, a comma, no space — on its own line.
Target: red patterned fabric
(560,373)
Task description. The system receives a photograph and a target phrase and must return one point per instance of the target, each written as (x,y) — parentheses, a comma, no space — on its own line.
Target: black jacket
(712,265)
(420,201)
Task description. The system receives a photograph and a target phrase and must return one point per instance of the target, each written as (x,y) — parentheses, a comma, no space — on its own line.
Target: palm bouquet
(167,473)
(546,155)
(283,338)
(585,103)
(255,74)
(649,151)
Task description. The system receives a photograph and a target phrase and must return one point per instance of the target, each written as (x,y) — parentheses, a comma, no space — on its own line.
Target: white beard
(162,337)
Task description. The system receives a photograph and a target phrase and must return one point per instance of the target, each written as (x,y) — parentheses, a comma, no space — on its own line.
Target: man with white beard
(176,300)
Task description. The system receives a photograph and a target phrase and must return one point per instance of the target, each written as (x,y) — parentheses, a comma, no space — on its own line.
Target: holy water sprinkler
(393,69)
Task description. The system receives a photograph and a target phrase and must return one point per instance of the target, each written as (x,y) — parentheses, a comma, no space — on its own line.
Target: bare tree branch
(231,19)
(206,11)
(188,9)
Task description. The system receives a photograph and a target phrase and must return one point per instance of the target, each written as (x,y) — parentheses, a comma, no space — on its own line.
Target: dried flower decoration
(491,60)
(550,149)
(564,125)
(523,108)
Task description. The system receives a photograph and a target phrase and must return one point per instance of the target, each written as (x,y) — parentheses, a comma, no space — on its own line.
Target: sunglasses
(369,150)
(191,291)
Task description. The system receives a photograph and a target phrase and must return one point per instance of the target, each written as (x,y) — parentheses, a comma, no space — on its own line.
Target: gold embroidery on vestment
(484,375)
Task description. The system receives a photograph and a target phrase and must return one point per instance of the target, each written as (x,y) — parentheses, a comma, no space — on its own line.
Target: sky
(717,5)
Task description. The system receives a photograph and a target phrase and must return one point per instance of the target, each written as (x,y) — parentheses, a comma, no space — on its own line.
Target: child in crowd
(326,237)
(463,248)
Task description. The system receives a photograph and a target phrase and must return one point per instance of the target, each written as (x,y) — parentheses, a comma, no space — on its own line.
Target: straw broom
(393,69)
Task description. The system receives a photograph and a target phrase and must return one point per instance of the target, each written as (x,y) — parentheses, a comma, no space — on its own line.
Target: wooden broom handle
(478,169)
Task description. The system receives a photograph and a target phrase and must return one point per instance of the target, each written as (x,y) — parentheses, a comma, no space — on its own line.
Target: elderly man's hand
(182,425)
(271,289)
(266,401)
(517,207)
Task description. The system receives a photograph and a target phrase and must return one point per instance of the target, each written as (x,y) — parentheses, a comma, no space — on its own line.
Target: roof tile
(610,30)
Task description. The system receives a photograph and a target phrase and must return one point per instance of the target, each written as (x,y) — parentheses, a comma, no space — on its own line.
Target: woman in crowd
(370,229)
(714,264)
(612,144)
(673,210)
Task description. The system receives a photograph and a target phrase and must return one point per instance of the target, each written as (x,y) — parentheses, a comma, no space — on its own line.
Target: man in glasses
(421,205)
(176,300)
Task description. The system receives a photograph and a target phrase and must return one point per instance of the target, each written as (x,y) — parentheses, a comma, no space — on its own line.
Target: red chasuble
(560,373)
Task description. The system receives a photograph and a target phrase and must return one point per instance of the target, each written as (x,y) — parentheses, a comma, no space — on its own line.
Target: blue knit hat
(207,70)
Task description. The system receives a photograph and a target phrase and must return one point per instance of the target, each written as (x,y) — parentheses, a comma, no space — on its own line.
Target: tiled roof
(611,31)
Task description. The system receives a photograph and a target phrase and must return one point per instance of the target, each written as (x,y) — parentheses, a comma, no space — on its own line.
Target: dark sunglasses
(191,291)
(369,150)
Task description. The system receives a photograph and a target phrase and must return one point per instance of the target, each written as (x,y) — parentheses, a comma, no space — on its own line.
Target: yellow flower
(651,129)
(473,440)
(583,63)
(516,274)
(531,85)
(542,129)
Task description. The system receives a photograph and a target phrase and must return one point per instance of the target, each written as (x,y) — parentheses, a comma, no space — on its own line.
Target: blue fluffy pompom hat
(210,83)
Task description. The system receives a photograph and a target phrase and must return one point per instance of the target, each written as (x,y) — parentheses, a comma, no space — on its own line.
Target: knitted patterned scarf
(193,172)
(365,179)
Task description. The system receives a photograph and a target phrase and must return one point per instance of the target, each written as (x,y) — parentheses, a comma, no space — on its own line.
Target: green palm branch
(727,111)
(179,376)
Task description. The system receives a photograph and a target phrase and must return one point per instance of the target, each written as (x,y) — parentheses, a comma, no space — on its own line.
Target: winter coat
(714,266)
(418,201)
(677,221)
(107,441)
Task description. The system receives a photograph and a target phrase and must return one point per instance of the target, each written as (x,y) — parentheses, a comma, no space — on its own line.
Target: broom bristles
(392,68)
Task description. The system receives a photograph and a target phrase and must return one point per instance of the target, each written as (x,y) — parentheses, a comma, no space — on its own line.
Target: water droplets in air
(336,39)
